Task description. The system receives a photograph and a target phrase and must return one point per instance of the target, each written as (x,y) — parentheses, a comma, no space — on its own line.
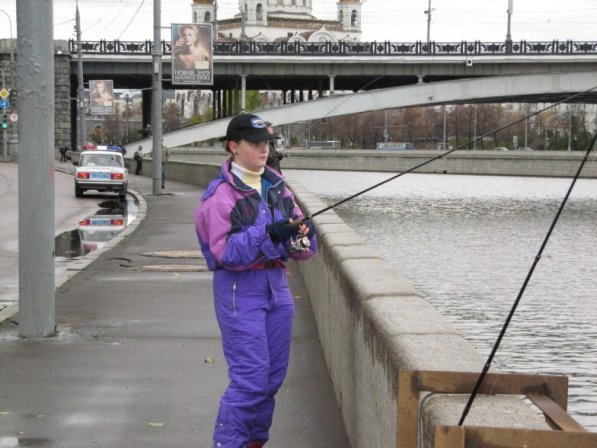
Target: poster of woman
(192,54)
(101,97)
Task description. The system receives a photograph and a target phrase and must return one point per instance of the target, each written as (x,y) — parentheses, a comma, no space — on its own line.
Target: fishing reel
(299,243)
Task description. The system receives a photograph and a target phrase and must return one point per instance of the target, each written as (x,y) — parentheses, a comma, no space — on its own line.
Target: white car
(101,171)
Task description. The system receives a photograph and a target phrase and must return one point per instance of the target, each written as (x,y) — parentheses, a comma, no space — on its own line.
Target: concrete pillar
(146,107)
(243,93)
(225,109)
(35,70)
(236,97)
(332,87)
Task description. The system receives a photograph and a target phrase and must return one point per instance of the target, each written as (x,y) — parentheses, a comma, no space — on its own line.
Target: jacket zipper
(234,298)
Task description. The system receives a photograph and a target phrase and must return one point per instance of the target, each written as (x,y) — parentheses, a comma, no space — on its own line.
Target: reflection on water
(468,242)
(96,230)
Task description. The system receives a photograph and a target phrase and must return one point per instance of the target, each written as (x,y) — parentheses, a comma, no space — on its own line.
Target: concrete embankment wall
(372,324)
(498,163)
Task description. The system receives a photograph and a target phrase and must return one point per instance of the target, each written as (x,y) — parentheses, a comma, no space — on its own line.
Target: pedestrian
(274,156)
(248,225)
(165,157)
(63,151)
(139,159)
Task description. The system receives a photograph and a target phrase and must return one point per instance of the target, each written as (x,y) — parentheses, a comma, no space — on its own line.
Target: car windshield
(100,160)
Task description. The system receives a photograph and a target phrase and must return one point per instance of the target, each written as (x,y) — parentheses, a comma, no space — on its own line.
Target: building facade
(281,20)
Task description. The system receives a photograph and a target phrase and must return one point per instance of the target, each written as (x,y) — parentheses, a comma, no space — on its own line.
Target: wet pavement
(137,361)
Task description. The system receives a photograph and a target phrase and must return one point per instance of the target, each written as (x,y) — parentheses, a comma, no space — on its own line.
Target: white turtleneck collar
(250,178)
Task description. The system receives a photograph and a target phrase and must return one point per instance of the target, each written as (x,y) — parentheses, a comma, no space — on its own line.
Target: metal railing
(463,48)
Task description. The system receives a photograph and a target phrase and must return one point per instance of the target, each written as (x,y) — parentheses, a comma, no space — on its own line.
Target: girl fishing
(248,227)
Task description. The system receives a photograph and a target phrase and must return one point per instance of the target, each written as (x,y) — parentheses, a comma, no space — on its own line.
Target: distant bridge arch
(523,88)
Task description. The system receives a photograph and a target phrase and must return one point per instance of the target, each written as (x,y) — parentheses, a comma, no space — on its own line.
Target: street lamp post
(445,136)
(428,12)
(14,137)
(567,111)
(569,129)
(545,138)
(82,134)
(508,35)
(386,135)
(127,100)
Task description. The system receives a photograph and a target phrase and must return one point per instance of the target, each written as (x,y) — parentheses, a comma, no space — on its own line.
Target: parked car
(101,171)
(525,148)
(501,148)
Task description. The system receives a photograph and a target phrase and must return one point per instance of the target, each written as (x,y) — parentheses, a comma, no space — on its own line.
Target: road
(68,212)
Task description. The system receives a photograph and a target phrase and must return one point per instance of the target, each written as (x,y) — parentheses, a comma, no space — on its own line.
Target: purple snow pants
(254,309)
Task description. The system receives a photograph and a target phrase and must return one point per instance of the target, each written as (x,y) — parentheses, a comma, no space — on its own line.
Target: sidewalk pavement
(137,360)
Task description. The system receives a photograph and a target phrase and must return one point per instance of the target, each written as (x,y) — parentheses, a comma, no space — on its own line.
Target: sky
(393,20)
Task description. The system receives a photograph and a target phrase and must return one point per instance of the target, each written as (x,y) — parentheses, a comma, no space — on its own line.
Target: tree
(111,127)
(200,118)
(172,116)
(254,102)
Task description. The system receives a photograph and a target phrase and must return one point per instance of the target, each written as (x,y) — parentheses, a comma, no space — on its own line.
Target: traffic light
(4,122)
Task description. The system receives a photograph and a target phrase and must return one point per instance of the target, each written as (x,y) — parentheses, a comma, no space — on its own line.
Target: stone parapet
(373,325)
(489,162)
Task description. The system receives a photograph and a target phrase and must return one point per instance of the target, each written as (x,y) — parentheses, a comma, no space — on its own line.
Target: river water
(467,244)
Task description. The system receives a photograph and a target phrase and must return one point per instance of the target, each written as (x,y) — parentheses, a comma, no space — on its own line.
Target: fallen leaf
(298,297)
(209,360)
(4,412)
(156,424)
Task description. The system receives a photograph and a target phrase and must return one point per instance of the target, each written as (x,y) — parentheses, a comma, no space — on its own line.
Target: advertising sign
(192,52)
(101,97)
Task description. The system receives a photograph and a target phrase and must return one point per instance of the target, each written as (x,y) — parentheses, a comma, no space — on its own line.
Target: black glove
(311,226)
(281,231)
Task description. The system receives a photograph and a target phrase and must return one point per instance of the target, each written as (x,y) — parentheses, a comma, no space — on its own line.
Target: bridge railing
(343,48)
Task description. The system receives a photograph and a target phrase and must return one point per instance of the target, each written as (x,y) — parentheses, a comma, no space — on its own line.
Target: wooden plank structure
(548,392)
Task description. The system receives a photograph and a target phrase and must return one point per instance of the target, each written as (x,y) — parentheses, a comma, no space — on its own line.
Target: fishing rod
(410,170)
(523,288)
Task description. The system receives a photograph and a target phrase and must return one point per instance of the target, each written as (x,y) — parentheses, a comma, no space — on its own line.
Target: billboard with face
(101,97)
(192,52)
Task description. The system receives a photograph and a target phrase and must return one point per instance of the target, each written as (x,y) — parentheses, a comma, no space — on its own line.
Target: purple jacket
(231,218)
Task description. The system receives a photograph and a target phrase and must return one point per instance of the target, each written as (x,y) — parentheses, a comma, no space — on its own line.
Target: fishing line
(410,170)
(524,285)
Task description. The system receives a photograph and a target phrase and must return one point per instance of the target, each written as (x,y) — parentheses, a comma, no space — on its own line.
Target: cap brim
(261,137)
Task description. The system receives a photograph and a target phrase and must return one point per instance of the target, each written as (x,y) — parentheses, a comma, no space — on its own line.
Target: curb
(80,263)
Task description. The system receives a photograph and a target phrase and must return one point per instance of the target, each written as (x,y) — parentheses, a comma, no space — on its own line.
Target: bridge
(431,73)
(344,66)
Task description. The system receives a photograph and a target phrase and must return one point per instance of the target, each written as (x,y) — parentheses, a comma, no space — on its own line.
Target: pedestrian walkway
(137,361)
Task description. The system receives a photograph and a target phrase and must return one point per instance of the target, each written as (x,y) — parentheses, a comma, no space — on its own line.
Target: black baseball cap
(248,127)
